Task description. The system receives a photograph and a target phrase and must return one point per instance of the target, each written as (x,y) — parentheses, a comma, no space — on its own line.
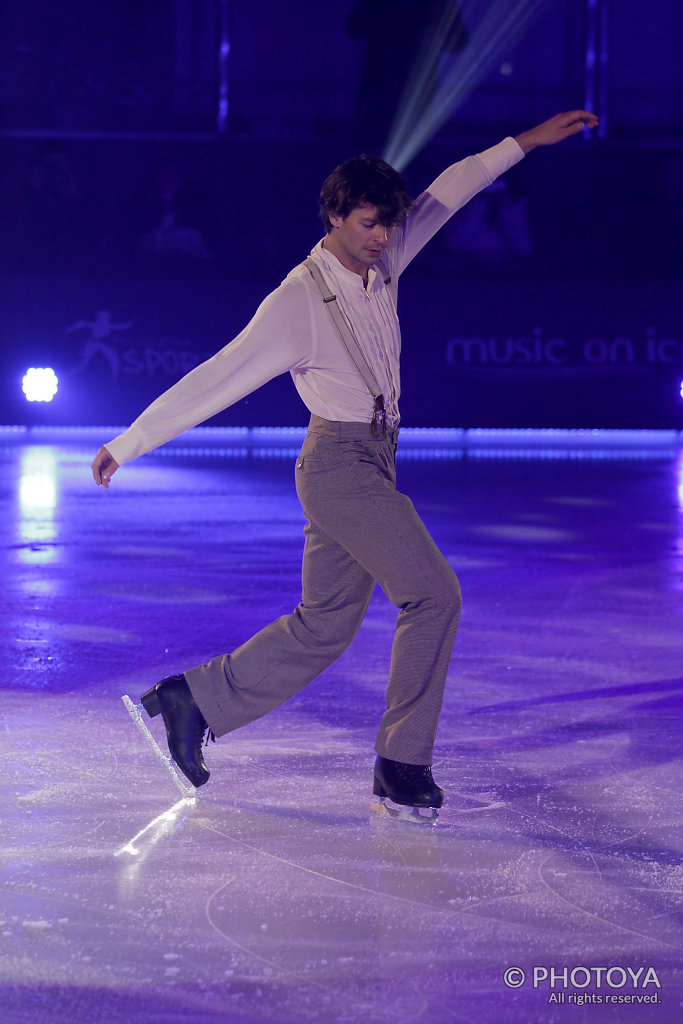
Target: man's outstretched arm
(556,129)
(463,180)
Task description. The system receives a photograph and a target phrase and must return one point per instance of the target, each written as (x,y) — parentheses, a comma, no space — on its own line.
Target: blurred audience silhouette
(57,222)
(170,216)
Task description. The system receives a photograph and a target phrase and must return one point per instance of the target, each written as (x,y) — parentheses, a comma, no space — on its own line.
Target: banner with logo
(475,353)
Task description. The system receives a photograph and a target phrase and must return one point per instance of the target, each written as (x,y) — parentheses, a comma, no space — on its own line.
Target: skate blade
(403,812)
(135,712)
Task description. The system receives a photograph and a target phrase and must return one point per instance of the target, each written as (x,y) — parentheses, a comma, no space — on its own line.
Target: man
(333,325)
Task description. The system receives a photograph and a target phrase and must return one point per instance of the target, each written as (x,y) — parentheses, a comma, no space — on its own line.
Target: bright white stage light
(40,384)
(681,389)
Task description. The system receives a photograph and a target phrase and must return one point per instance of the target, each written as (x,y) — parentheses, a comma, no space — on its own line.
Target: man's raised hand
(556,129)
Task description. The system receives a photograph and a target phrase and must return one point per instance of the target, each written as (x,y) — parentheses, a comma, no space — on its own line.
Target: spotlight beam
(420,116)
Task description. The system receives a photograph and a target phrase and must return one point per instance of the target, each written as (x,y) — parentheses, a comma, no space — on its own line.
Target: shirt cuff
(501,157)
(125,447)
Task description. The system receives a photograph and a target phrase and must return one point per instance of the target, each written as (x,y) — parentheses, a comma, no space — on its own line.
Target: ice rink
(277,895)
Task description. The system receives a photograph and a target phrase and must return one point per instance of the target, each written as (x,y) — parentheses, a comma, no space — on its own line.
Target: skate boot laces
(414,772)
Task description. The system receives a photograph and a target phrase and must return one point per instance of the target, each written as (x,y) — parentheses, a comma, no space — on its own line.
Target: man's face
(358,240)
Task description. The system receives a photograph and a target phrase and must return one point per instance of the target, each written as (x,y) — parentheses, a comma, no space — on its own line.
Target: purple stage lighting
(40,384)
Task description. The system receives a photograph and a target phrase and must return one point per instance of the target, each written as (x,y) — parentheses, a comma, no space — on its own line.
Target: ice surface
(276,895)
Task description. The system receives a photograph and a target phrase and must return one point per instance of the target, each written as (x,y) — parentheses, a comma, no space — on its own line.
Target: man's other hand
(103,467)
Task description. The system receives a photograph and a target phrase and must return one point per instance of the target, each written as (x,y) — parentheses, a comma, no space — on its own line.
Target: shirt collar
(334,266)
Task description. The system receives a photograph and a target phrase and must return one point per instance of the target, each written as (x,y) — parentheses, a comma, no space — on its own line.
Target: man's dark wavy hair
(365,181)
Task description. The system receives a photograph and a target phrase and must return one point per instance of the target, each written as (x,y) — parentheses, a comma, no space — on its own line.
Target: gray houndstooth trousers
(360,530)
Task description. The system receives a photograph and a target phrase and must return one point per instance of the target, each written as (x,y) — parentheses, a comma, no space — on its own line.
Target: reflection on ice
(38,482)
(38,494)
(160,826)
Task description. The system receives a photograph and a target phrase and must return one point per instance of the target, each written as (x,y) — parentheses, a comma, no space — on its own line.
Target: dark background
(553,300)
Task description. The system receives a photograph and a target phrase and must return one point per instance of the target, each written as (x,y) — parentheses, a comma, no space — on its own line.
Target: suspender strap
(351,345)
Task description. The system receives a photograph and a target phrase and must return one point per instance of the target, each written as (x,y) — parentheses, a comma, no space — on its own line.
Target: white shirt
(292,329)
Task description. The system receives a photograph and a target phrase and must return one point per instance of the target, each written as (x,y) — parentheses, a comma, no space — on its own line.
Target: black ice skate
(185,725)
(406,791)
